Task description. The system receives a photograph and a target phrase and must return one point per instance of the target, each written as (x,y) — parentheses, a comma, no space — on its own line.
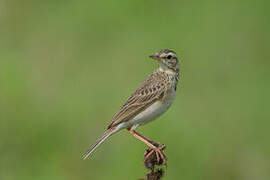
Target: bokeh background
(67,66)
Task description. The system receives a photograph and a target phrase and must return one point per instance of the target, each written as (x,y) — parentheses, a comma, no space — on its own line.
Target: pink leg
(151,144)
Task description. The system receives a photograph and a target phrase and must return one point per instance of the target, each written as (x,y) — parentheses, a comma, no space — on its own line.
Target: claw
(159,157)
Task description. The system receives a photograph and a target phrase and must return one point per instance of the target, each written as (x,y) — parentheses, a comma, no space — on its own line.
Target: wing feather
(151,90)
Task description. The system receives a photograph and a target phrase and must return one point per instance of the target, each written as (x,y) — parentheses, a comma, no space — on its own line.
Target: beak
(155,57)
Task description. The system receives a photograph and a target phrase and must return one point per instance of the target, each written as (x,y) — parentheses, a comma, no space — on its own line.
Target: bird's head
(167,60)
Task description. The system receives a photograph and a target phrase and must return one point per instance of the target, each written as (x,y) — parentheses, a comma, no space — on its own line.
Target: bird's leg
(154,146)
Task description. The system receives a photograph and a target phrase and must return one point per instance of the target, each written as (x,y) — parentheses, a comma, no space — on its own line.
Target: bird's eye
(169,57)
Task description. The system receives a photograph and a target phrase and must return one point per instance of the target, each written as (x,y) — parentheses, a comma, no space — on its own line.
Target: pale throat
(165,69)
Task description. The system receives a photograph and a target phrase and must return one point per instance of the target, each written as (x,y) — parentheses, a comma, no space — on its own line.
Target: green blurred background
(67,66)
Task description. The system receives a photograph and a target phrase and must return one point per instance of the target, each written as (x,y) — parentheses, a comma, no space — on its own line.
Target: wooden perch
(154,164)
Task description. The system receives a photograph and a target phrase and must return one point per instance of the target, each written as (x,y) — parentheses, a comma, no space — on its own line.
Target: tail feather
(107,134)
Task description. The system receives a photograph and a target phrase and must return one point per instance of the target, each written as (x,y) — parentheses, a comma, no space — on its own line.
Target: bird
(151,99)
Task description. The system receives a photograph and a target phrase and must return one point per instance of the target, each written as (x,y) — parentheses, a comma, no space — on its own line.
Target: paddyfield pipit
(151,99)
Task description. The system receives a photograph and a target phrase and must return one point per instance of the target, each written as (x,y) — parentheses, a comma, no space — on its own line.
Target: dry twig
(151,161)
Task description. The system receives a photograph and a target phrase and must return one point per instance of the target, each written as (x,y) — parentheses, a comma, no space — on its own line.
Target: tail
(107,134)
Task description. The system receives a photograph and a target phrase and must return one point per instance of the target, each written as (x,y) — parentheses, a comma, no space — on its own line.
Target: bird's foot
(155,156)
